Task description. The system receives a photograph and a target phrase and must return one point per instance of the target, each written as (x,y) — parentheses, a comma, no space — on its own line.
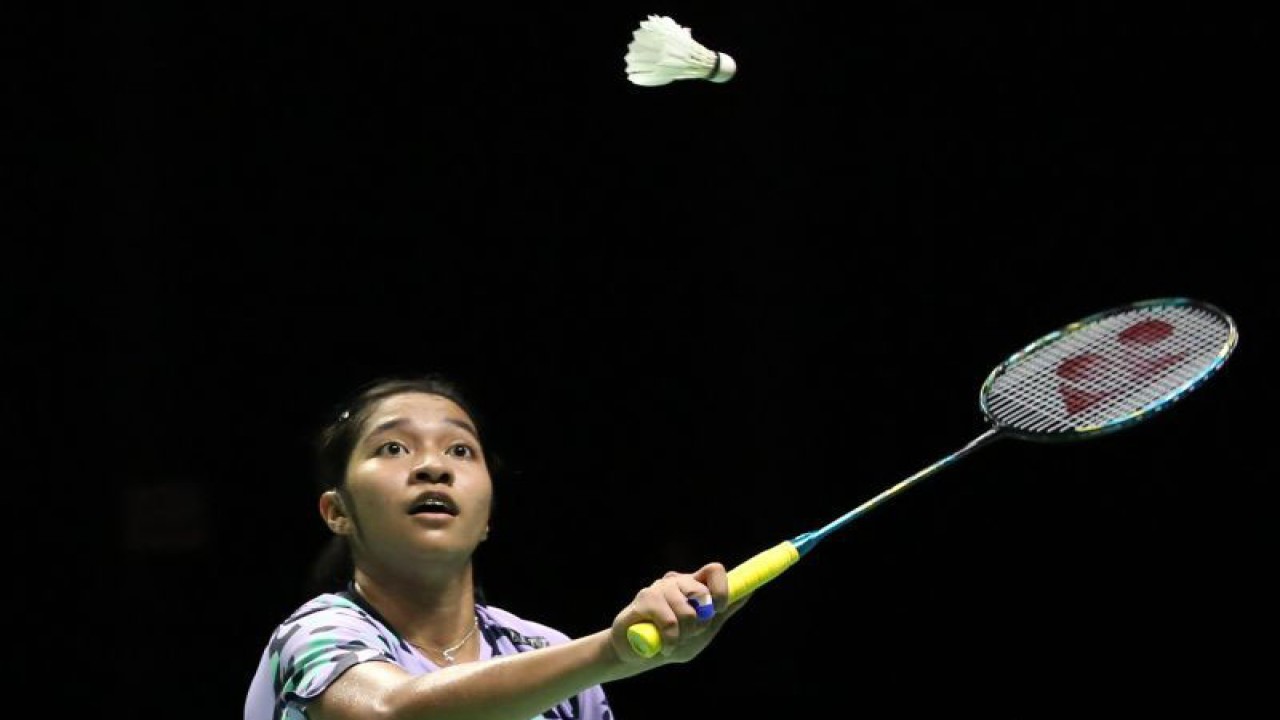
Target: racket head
(1108,371)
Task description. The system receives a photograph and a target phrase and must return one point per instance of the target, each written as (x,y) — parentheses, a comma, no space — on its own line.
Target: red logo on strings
(1090,378)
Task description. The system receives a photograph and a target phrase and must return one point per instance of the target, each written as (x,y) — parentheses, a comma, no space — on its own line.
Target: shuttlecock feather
(662,51)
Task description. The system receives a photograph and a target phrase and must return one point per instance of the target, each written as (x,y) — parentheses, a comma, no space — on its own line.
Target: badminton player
(402,633)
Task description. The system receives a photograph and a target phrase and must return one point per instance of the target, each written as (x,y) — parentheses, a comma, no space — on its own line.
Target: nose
(432,470)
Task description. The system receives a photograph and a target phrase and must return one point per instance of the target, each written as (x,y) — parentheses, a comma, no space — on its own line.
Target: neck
(429,614)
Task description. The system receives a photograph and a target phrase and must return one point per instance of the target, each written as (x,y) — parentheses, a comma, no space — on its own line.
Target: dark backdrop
(703,319)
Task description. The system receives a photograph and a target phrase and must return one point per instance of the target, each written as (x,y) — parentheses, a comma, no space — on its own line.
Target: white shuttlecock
(662,51)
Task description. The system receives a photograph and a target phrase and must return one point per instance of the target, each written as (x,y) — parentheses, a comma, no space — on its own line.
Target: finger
(729,612)
(678,591)
(714,576)
(737,606)
(691,601)
(694,589)
(652,605)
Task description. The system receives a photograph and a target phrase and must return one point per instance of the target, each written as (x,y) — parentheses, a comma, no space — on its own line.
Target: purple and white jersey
(333,632)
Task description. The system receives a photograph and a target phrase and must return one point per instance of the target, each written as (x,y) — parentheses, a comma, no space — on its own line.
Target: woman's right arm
(518,687)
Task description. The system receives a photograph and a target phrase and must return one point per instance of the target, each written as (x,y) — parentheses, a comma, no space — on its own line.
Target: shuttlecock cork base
(724,70)
(661,51)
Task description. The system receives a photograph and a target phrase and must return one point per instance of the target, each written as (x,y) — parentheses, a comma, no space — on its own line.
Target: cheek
(368,487)
(483,494)
(484,499)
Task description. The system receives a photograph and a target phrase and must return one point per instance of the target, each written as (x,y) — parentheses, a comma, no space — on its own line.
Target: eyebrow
(399,422)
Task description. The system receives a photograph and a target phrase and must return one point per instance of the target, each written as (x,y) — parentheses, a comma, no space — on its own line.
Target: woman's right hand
(665,603)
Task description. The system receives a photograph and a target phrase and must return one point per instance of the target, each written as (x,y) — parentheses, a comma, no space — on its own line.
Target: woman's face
(418,482)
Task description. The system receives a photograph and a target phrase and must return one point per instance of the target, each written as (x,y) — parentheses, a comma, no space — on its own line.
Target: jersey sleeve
(595,706)
(313,649)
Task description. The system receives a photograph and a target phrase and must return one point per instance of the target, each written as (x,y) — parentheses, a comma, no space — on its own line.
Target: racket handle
(744,579)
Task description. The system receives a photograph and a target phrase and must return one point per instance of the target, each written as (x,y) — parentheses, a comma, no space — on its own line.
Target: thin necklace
(446,653)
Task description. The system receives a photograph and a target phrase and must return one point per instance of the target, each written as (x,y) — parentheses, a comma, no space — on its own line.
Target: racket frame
(1123,421)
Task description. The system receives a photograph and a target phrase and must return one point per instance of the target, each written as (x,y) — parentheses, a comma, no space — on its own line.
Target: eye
(392,448)
(460,450)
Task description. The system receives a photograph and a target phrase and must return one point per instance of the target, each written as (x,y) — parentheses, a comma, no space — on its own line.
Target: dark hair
(336,441)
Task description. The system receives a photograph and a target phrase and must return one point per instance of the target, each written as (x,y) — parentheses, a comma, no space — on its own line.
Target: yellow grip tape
(743,580)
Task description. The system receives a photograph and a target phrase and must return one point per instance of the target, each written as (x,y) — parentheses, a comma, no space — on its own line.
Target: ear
(334,513)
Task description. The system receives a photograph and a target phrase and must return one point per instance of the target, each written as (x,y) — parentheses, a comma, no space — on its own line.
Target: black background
(700,318)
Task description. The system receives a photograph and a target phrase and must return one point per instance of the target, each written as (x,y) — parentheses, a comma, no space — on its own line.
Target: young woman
(407,494)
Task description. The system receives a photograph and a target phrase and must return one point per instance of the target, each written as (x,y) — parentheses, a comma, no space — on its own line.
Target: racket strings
(1096,373)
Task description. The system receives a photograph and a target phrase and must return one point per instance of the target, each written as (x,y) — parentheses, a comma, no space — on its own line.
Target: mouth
(434,503)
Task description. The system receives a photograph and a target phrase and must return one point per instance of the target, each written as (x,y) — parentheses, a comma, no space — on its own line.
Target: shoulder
(331,627)
(321,640)
(329,612)
(533,633)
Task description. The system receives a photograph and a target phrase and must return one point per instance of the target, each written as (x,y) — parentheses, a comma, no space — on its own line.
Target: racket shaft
(743,580)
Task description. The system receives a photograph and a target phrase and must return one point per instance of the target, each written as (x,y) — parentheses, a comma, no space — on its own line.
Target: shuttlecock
(662,51)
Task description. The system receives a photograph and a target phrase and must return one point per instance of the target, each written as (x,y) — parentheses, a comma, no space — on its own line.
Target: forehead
(421,408)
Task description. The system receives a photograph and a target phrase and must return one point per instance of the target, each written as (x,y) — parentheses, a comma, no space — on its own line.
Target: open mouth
(434,503)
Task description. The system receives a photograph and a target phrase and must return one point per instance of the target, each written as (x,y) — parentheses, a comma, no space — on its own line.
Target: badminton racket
(1095,376)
